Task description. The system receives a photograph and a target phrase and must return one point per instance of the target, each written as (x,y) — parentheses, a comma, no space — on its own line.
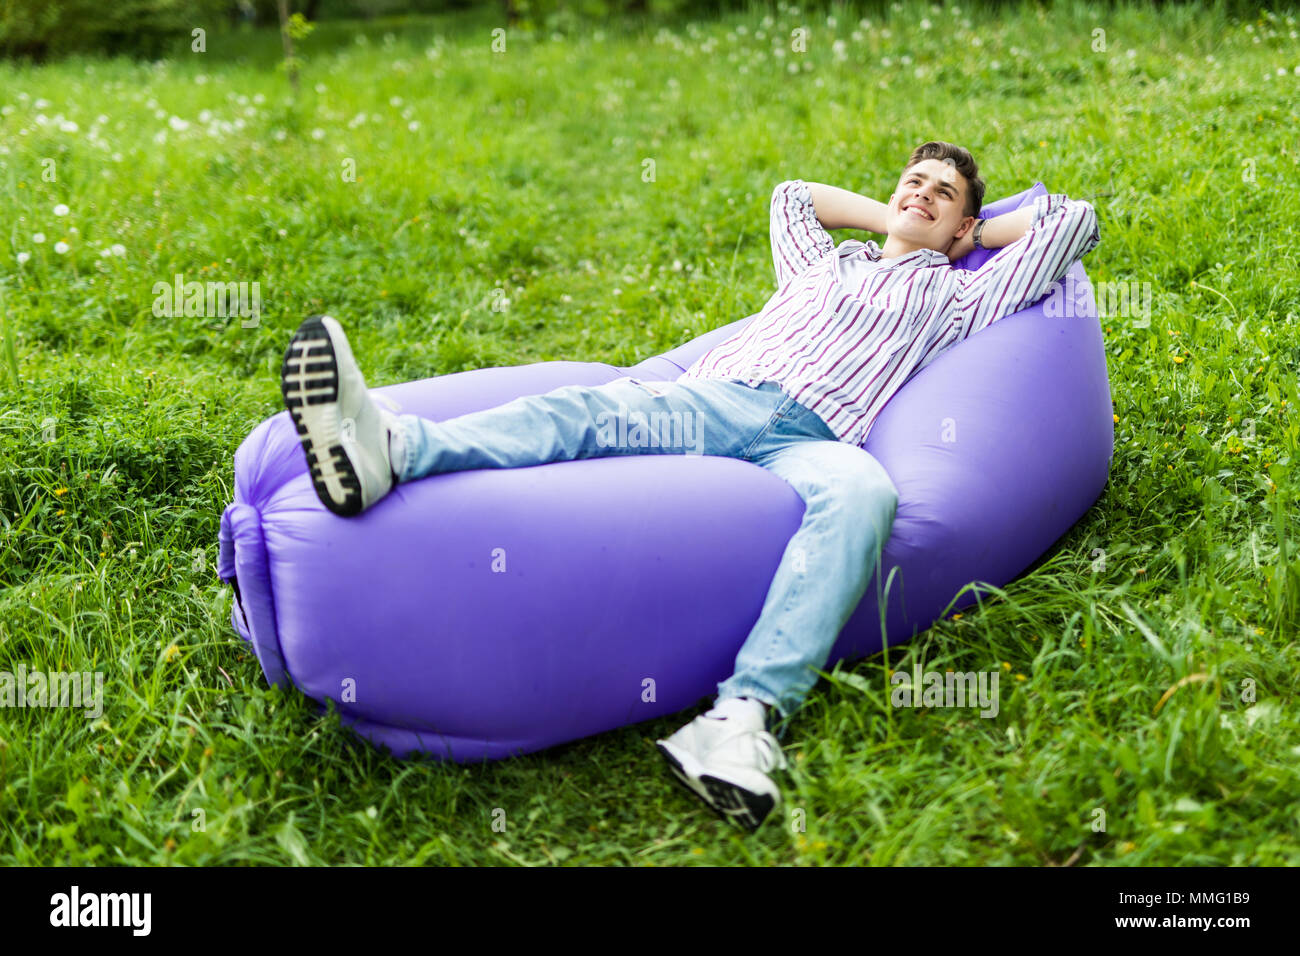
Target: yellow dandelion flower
(1116,417)
(1006,665)
(60,512)
(956,617)
(1042,142)
(60,492)
(1259,630)
(1178,360)
(172,651)
(1021,677)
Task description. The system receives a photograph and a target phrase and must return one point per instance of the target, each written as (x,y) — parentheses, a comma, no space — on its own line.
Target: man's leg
(726,755)
(622,417)
(849,504)
(571,422)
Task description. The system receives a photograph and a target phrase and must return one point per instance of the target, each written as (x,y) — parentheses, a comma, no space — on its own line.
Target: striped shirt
(846,327)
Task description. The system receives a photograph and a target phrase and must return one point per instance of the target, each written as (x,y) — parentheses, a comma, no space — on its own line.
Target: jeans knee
(868,501)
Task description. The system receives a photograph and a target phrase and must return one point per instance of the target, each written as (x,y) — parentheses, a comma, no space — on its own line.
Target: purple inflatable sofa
(483,614)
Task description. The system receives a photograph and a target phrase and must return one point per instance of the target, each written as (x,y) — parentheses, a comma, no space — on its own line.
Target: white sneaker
(724,757)
(344,432)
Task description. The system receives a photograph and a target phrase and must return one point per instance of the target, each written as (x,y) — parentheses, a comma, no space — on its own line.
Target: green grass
(524,174)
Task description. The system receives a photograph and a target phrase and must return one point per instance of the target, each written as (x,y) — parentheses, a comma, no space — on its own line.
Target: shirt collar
(921,256)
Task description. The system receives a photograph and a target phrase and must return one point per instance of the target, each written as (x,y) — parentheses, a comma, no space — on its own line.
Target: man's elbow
(1089,227)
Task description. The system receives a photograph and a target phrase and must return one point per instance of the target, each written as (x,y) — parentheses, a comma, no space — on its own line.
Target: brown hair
(965,164)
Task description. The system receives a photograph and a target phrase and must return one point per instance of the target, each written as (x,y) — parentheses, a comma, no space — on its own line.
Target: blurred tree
(38,29)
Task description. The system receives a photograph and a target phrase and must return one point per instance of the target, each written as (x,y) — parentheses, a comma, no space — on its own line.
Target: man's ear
(966,226)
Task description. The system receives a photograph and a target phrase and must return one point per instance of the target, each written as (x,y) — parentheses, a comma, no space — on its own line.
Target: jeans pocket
(658,389)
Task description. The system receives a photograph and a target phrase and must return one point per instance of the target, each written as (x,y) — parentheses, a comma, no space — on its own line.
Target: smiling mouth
(920,212)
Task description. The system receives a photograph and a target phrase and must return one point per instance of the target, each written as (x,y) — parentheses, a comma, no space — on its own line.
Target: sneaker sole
(309,382)
(729,801)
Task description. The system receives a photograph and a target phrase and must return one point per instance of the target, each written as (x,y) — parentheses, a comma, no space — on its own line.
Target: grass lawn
(1147,661)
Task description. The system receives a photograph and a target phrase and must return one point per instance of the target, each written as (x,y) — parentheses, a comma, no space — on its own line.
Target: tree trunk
(283,7)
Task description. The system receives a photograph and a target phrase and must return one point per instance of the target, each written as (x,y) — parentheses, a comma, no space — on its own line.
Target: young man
(795,392)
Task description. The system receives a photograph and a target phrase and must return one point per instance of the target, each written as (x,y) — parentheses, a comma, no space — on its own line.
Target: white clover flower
(318,133)
(395,101)
(61,247)
(60,210)
(23,257)
(118,249)
(413,125)
(38,237)
(178,124)
(68,126)
(926,24)
(41,104)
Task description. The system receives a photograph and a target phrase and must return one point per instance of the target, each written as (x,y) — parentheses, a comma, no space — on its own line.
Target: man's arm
(1062,230)
(840,209)
(999,231)
(799,240)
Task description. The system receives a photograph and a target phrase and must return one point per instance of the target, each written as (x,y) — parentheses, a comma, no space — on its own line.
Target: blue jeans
(849,500)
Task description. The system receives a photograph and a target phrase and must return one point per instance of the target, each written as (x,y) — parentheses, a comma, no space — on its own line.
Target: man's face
(927,208)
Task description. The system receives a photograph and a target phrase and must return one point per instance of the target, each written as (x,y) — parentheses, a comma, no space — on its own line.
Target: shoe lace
(767,752)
